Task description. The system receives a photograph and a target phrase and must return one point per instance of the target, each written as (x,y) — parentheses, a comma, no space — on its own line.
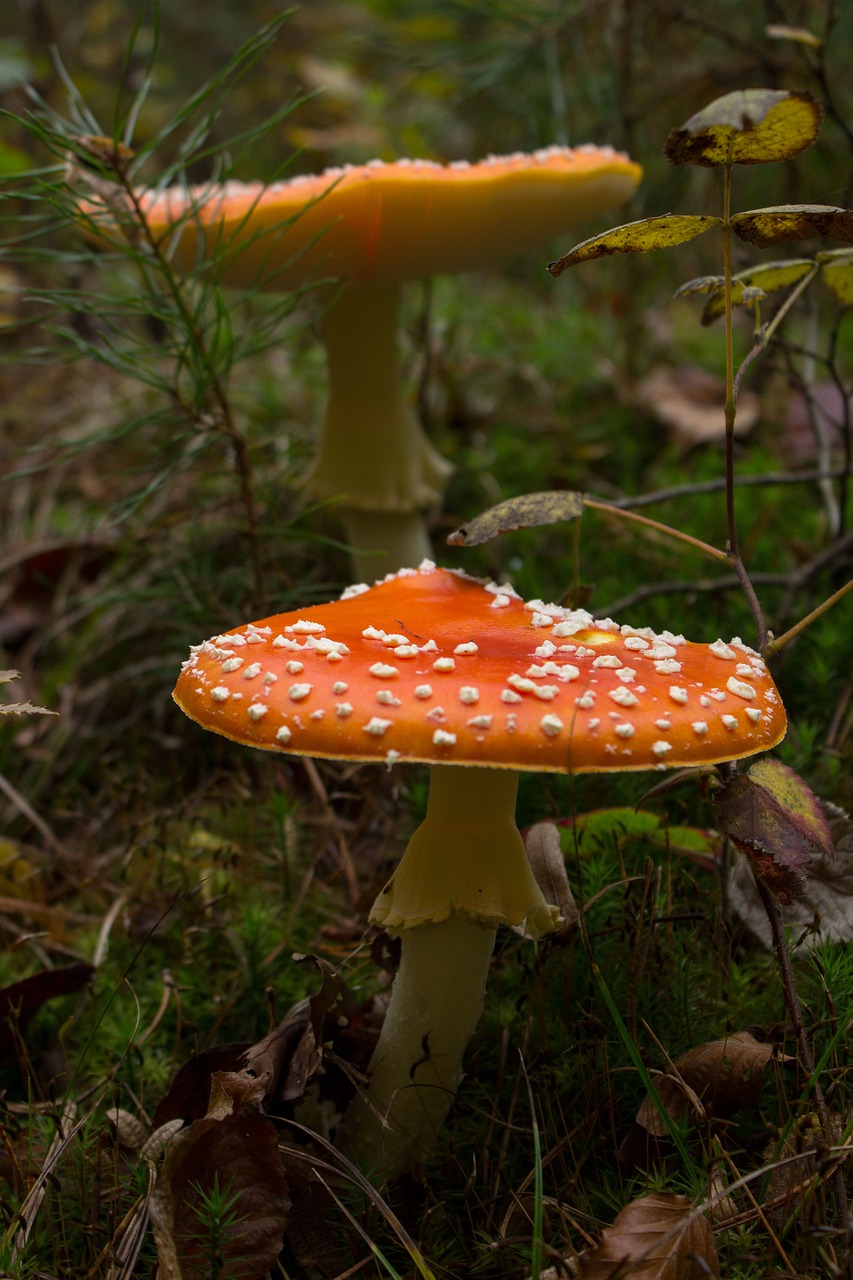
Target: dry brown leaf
(691,403)
(824,913)
(235,1147)
(717,1078)
(654,1238)
(545,855)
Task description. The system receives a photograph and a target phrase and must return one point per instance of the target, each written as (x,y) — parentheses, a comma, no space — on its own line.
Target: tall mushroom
(373,227)
(431,665)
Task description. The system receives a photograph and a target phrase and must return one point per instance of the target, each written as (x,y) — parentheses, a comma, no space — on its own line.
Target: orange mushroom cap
(389,222)
(432,665)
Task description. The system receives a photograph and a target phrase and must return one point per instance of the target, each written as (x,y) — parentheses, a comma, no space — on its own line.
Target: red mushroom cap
(386,222)
(432,665)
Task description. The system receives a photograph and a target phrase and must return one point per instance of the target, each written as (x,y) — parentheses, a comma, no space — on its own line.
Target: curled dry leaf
(657,1237)
(716,1078)
(235,1149)
(780,224)
(774,817)
(527,511)
(691,402)
(749,126)
(548,864)
(824,912)
(661,232)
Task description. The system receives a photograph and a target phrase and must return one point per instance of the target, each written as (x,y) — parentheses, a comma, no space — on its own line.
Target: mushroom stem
(382,542)
(464,872)
(373,452)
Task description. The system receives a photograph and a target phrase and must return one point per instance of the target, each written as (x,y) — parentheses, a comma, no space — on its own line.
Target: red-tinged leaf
(783,223)
(233,1151)
(21,1000)
(774,818)
(716,1078)
(749,126)
(525,512)
(825,911)
(658,1237)
(648,234)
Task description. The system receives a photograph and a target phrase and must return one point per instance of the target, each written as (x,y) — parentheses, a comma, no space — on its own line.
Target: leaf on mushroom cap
(388,222)
(432,665)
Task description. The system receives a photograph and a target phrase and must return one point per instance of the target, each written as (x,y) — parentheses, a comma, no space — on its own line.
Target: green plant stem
(734,557)
(792,1000)
(224,417)
(778,642)
(698,545)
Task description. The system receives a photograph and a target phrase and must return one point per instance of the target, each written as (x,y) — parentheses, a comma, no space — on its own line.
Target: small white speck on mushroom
(511,722)
(663,725)
(339,687)
(509,695)
(423,691)
(659,651)
(754,714)
(624,697)
(661,748)
(237,640)
(270,677)
(437,715)
(220,693)
(444,664)
(386,697)
(283,734)
(231,664)
(254,638)
(394,639)
(297,692)
(704,700)
(480,722)
(667,667)
(700,727)
(636,643)
(467,648)
(729,721)
(583,652)
(303,626)
(469,695)
(376,726)
(586,701)
(441,738)
(343,710)
(500,602)
(547,692)
(254,669)
(626,675)
(740,688)
(541,620)
(326,646)
(236,696)
(294,668)
(521,683)
(744,669)
(677,694)
(545,649)
(721,650)
(382,671)
(608,660)
(406,651)
(593,723)
(551,725)
(717,695)
(392,756)
(257,710)
(624,730)
(317,715)
(281,642)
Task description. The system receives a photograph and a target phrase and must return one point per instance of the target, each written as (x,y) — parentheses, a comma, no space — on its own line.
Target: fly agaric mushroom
(431,665)
(375,226)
